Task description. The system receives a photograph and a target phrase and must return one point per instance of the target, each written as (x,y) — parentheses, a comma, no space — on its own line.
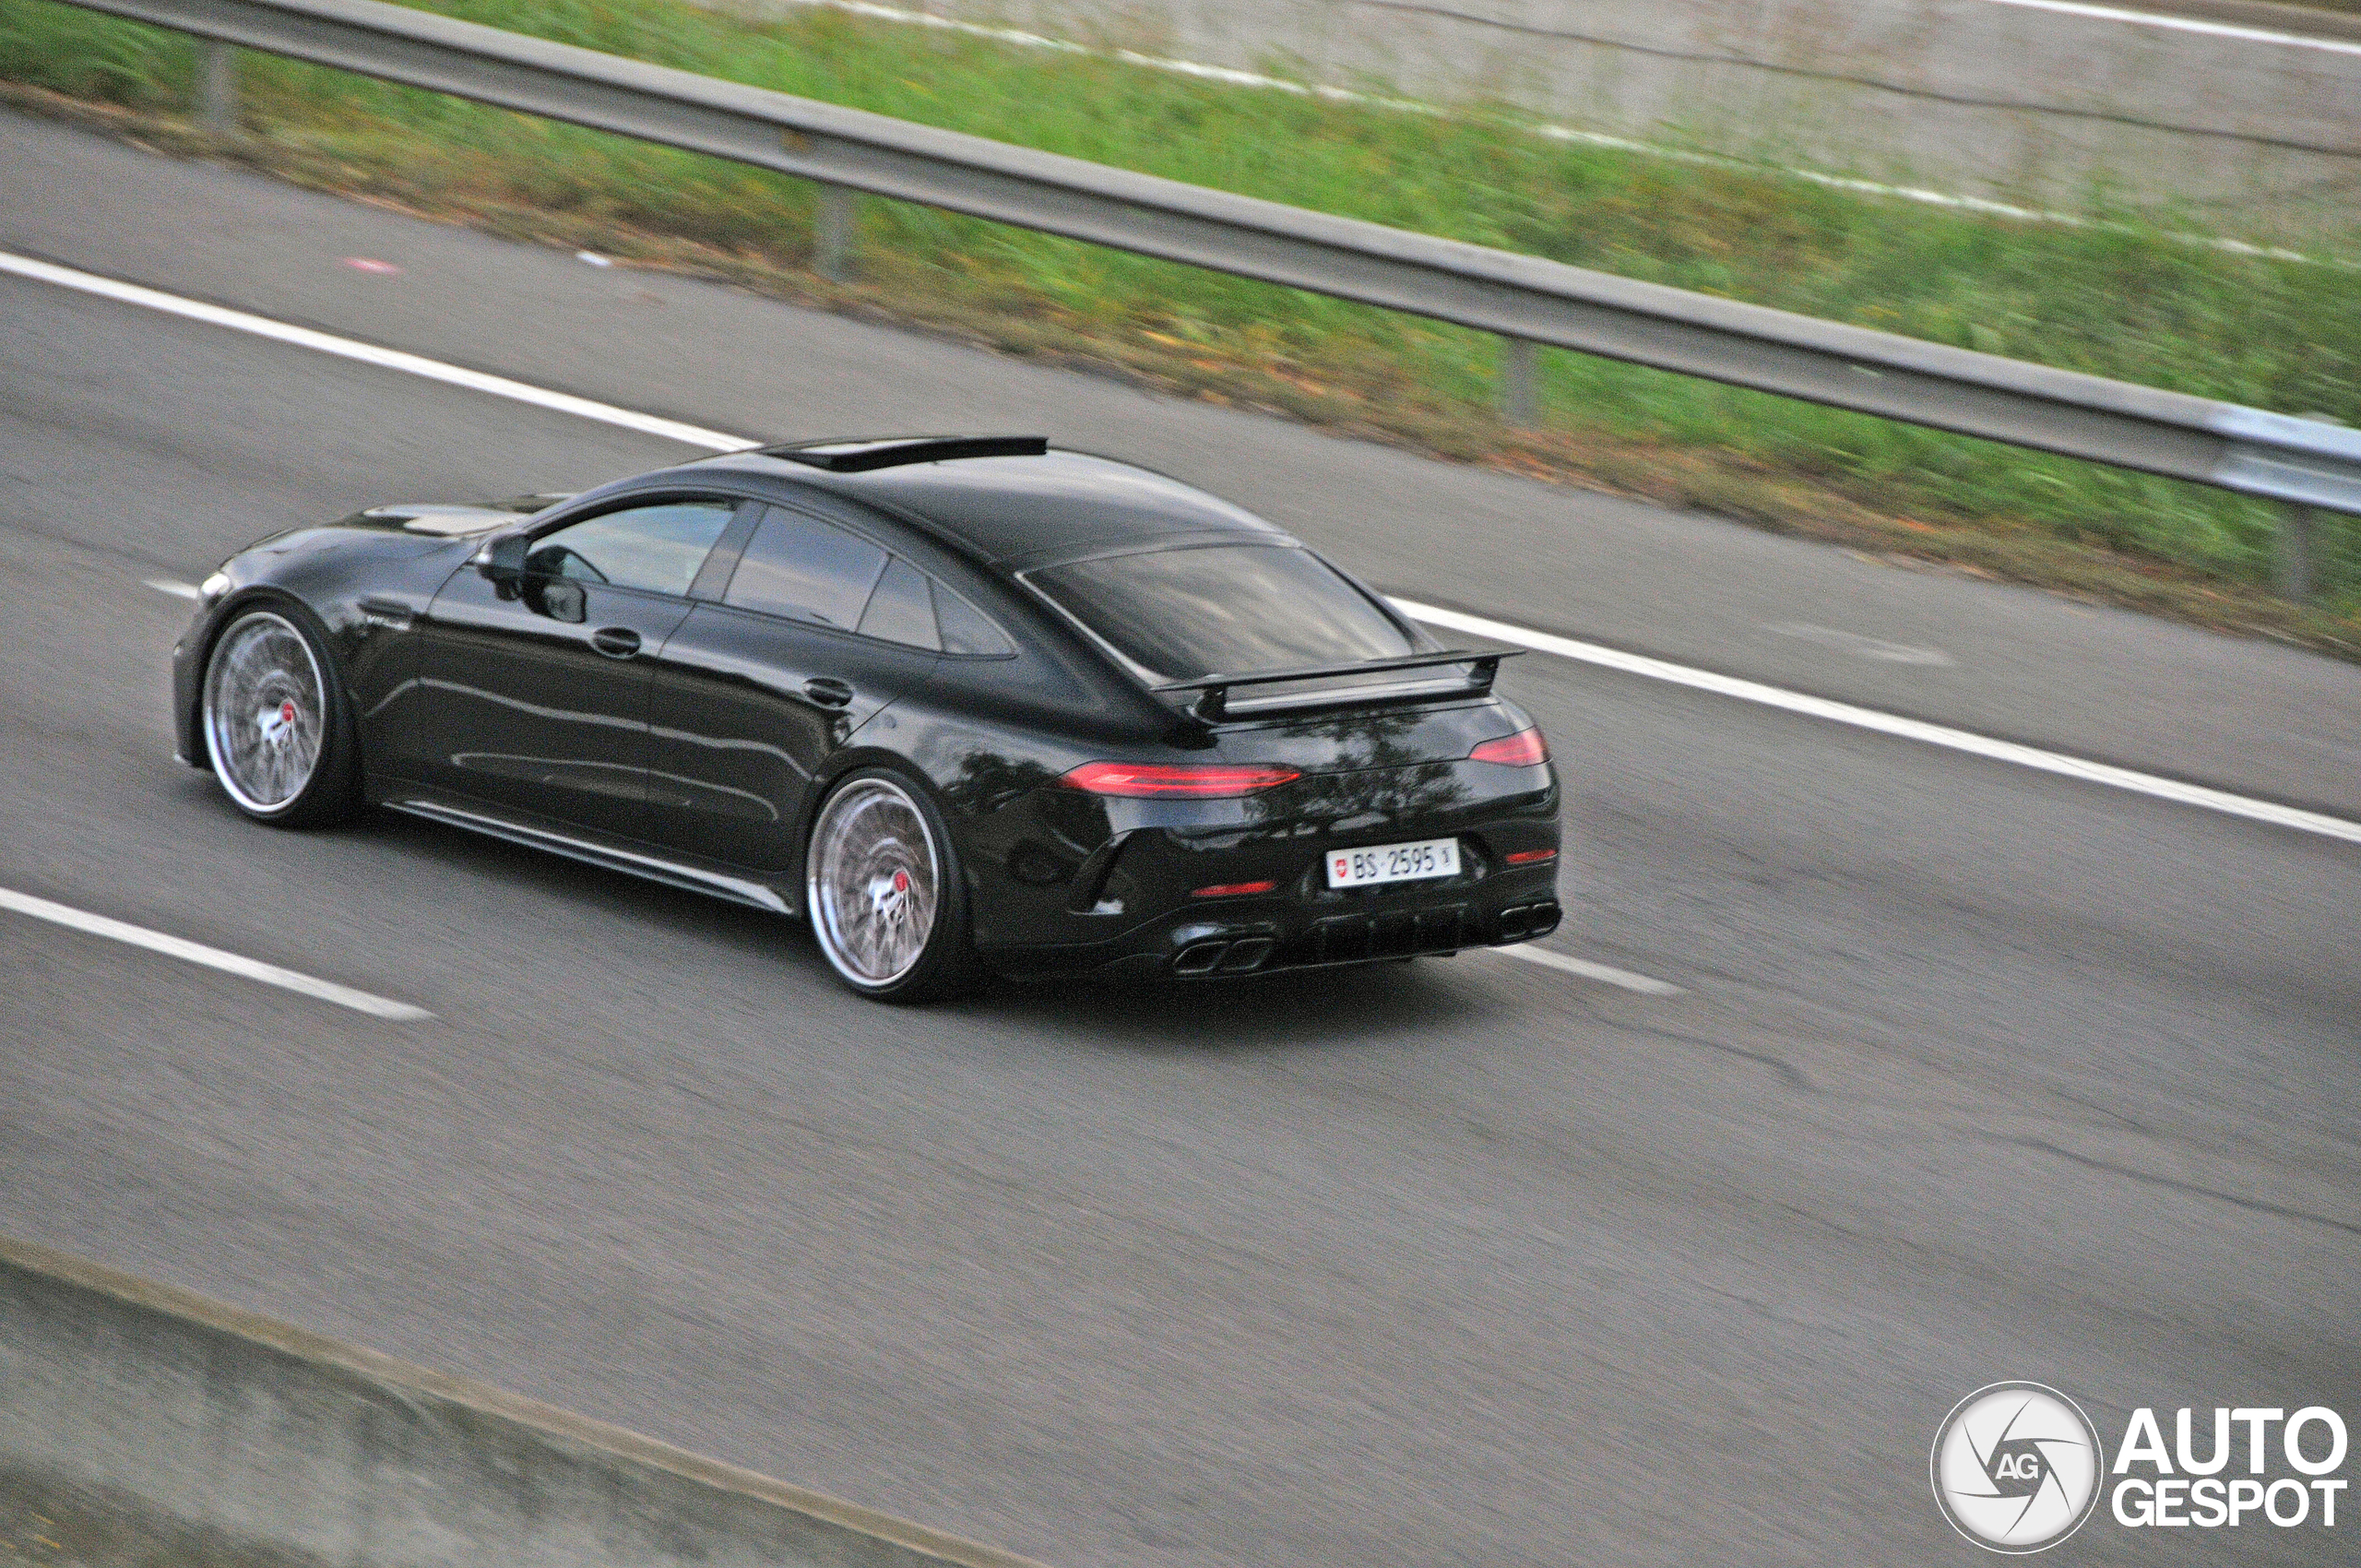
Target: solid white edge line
(1643,984)
(1498,631)
(2188,24)
(211,958)
(1889,724)
(370,354)
(178,590)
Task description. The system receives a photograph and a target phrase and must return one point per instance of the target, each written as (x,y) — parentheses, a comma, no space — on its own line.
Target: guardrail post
(2296,569)
(832,233)
(1519,406)
(2296,552)
(217,89)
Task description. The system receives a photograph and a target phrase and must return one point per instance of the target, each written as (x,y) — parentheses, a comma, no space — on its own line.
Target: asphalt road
(1977,1072)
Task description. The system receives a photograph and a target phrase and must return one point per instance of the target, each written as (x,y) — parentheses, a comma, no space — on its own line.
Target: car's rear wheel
(276,728)
(883,888)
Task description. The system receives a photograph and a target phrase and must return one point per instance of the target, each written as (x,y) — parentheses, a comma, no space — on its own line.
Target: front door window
(536,689)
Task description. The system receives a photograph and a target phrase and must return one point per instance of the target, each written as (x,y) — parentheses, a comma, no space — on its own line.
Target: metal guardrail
(2303,463)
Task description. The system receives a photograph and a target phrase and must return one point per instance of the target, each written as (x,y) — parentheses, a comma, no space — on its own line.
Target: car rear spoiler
(1214,704)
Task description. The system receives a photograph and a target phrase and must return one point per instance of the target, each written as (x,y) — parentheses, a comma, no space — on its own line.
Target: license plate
(1393,863)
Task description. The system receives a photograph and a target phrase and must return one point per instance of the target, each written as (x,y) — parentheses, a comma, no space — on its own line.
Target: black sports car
(968,703)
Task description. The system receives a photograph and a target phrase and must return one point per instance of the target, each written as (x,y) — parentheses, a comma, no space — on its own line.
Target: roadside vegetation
(2128,295)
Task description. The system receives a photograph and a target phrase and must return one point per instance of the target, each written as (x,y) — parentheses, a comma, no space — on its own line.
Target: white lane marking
(212,957)
(1891,724)
(370,354)
(1500,630)
(1852,642)
(1588,971)
(178,590)
(2188,24)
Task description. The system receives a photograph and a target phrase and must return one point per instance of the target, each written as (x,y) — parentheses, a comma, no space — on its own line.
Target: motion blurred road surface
(1974,1072)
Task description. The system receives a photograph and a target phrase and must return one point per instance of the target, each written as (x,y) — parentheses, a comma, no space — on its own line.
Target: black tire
(275,721)
(884,891)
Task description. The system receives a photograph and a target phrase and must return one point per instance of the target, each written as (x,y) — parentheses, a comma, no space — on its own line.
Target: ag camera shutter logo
(2016,1468)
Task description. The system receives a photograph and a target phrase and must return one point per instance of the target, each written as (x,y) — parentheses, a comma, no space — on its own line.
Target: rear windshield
(1224,610)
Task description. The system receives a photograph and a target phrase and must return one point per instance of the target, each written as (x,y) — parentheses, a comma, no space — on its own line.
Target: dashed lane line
(211,958)
(1645,985)
(1968,742)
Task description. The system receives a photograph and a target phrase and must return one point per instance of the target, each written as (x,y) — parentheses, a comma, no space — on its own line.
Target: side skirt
(738,890)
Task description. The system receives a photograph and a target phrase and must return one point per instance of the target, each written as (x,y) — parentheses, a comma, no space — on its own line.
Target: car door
(816,633)
(536,687)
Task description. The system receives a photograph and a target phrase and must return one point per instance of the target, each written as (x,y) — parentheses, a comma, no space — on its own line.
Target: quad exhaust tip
(1245,955)
(1240,958)
(1526,921)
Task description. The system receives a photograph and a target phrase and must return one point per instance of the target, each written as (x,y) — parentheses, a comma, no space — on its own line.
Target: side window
(902,609)
(801,567)
(964,630)
(658,547)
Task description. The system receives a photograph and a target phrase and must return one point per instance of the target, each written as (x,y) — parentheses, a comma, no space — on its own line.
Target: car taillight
(1530,857)
(1231,889)
(1520,750)
(1150,780)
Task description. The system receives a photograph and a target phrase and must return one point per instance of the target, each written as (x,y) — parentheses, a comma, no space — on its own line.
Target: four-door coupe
(965,703)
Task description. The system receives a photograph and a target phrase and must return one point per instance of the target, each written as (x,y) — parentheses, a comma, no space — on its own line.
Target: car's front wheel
(882,888)
(276,727)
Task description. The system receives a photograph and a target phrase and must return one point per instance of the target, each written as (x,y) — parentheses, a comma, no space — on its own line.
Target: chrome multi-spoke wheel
(875,885)
(266,713)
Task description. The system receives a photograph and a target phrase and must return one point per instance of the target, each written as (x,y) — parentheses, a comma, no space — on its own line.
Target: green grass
(2124,298)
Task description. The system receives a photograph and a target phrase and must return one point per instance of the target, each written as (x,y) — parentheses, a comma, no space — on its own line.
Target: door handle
(615,642)
(828,692)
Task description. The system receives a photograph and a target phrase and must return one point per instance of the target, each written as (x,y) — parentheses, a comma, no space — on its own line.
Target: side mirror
(502,560)
(504,556)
